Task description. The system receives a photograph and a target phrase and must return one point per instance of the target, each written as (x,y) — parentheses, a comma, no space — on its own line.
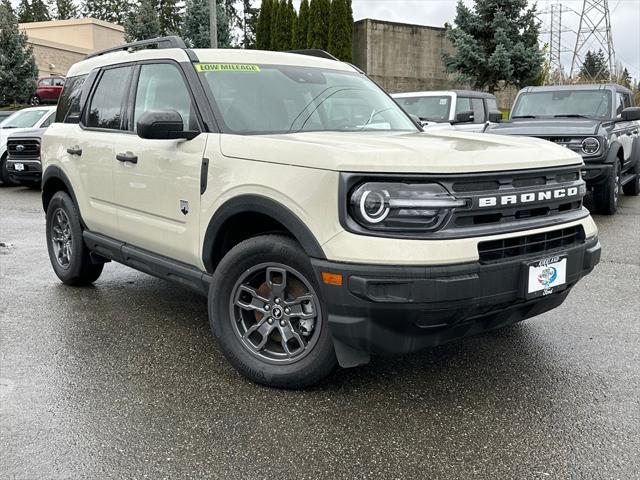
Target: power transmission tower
(555,31)
(594,33)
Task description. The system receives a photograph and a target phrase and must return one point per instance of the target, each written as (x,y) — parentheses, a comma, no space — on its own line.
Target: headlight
(590,145)
(402,206)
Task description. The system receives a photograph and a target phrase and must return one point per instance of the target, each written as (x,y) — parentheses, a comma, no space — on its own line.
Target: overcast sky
(625,21)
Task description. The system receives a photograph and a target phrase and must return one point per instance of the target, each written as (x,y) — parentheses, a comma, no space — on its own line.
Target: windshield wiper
(570,115)
(524,116)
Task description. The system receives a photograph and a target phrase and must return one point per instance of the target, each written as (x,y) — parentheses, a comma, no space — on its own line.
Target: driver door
(157,182)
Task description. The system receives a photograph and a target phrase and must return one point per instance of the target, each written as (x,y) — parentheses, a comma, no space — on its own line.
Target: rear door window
(108,100)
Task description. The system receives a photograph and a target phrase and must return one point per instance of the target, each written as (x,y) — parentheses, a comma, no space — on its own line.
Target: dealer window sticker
(225,67)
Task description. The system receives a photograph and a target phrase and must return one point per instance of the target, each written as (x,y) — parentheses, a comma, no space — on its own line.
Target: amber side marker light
(332,278)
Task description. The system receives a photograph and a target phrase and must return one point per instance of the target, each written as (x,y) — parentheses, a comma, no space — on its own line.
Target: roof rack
(160,42)
(314,52)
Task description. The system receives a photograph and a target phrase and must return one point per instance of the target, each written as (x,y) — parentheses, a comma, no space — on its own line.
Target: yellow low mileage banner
(225,67)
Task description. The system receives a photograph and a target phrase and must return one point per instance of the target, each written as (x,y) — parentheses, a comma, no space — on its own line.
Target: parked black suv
(23,157)
(598,121)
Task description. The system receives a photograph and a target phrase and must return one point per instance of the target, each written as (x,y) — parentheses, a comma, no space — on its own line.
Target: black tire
(633,187)
(271,252)
(35,100)
(606,196)
(4,173)
(78,270)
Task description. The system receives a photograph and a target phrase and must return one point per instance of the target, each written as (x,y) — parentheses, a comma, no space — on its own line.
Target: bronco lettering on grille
(544,195)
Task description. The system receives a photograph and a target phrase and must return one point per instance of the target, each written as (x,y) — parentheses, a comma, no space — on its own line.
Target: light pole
(213,24)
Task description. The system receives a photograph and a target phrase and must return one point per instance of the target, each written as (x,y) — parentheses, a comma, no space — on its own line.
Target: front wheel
(67,252)
(607,196)
(267,315)
(4,173)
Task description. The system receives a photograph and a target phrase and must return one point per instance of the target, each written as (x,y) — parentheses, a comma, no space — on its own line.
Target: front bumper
(31,170)
(401,309)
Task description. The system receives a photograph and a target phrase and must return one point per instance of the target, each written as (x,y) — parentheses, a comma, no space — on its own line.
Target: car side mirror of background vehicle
(495,117)
(631,114)
(464,117)
(163,125)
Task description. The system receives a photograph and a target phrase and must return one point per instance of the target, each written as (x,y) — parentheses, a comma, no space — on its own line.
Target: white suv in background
(463,109)
(20,121)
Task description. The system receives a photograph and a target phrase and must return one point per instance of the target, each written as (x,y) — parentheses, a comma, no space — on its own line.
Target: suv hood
(547,127)
(443,151)
(26,132)
(6,132)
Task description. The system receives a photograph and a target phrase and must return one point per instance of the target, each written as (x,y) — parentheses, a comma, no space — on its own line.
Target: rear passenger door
(157,191)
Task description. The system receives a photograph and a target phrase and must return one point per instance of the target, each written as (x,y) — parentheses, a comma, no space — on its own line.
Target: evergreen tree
(249,24)
(39,11)
(114,11)
(283,24)
(24,12)
(275,8)
(66,9)
(302,26)
(340,30)
(169,17)
(263,32)
(143,23)
(195,28)
(594,67)
(319,12)
(626,78)
(495,41)
(18,70)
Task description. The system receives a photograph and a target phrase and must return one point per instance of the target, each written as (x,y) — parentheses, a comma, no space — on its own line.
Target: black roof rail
(160,42)
(314,52)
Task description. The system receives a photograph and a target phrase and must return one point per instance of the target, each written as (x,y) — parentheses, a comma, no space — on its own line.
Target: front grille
(510,248)
(23,148)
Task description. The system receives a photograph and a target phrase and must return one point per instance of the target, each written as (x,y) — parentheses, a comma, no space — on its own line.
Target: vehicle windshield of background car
(23,119)
(286,99)
(429,109)
(564,103)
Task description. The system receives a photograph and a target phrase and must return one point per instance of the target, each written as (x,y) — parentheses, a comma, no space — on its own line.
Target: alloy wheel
(62,238)
(276,313)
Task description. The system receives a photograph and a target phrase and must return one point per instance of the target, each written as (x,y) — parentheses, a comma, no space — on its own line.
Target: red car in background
(48,90)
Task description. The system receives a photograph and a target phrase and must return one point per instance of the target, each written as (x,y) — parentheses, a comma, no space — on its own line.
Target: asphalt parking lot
(123,380)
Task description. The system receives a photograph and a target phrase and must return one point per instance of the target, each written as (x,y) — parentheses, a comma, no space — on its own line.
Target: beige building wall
(59,44)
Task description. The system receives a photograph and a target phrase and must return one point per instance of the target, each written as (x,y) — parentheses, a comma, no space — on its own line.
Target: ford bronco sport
(321,223)
(597,121)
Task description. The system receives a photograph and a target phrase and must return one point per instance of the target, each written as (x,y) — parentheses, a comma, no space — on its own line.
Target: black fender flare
(55,173)
(265,206)
(612,156)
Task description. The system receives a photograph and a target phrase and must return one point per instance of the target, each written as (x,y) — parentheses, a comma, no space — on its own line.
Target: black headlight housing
(399,207)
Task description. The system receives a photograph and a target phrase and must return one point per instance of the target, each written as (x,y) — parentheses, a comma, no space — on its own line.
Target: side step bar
(627,178)
(147,262)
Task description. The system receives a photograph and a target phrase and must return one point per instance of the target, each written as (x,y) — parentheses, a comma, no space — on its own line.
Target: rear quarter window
(69,103)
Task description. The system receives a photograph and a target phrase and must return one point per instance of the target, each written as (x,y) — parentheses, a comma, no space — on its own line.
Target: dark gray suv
(597,121)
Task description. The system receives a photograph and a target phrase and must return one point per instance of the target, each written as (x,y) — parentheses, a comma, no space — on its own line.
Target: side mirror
(163,125)
(631,114)
(464,117)
(495,117)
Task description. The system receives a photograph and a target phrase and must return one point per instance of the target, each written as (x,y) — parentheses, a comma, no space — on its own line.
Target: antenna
(594,33)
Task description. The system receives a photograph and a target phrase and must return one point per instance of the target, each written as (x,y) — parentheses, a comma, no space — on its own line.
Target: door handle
(75,150)
(127,157)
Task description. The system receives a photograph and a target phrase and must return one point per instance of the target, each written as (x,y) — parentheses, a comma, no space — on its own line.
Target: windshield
(585,103)
(254,99)
(23,119)
(435,109)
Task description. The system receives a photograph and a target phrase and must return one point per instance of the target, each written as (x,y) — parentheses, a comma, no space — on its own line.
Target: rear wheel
(68,254)
(267,315)
(607,196)
(633,187)
(34,100)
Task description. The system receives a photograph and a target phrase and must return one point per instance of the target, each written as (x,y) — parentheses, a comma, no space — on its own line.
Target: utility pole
(594,33)
(213,23)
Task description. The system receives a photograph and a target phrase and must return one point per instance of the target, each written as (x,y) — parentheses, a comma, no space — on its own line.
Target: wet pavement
(123,380)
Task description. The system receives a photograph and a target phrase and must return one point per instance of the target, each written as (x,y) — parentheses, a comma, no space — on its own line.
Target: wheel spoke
(287,333)
(262,328)
(302,307)
(277,280)
(255,301)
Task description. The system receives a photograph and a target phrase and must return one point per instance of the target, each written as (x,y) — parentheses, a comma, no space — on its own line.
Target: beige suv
(323,225)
